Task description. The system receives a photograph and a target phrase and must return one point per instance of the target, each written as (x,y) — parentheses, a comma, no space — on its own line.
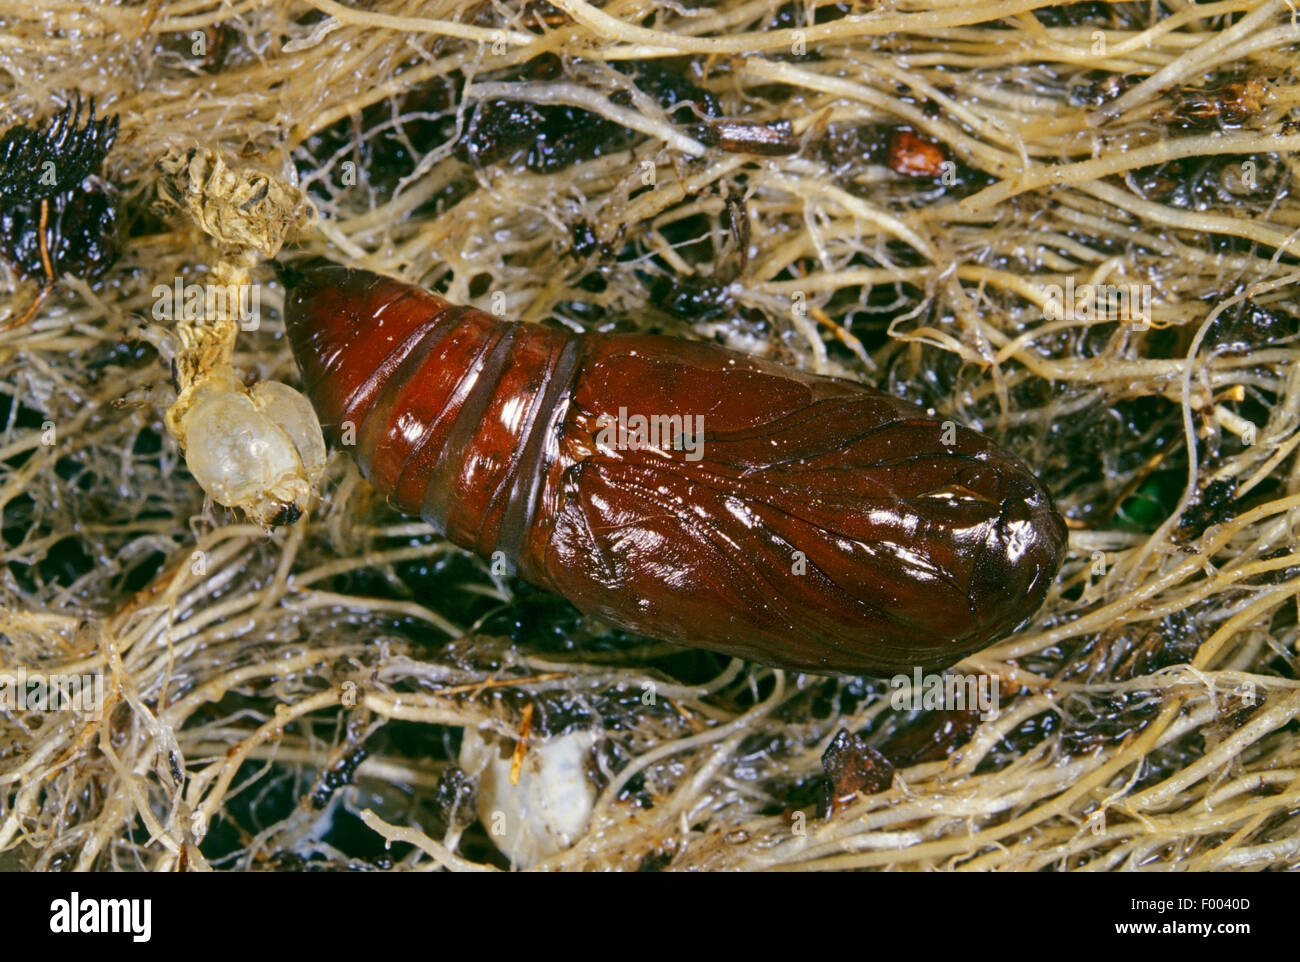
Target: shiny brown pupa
(800,521)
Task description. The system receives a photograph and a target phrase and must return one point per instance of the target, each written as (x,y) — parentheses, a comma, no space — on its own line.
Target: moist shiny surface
(824,525)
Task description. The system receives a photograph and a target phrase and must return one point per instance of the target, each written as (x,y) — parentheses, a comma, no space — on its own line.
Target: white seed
(294,413)
(550,807)
(261,451)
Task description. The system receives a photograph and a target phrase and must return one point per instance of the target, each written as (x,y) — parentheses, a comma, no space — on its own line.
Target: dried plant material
(853,768)
(1105,279)
(236,207)
(261,449)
